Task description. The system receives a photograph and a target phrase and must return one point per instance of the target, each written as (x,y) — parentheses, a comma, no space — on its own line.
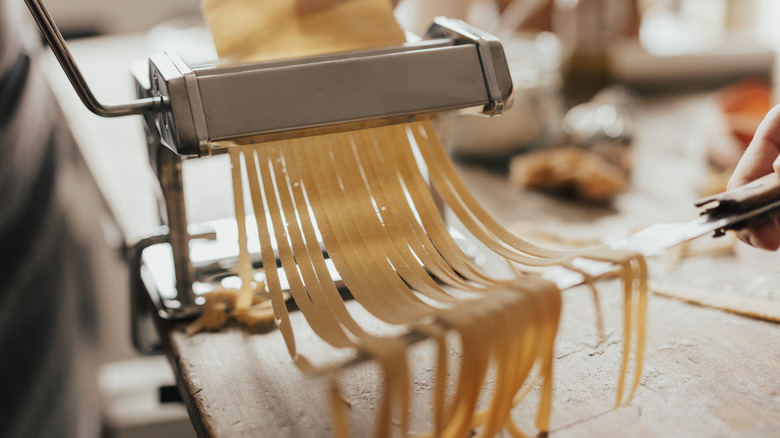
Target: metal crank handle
(60,50)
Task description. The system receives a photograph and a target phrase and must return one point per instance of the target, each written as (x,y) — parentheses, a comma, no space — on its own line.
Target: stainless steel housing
(457,70)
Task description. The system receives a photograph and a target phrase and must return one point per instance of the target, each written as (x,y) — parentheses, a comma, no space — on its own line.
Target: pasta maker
(189,110)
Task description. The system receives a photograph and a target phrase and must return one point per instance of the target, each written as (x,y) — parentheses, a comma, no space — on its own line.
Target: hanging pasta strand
(287,189)
(524,253)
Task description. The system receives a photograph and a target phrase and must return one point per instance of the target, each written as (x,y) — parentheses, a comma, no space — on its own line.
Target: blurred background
(579,66)
(710,18)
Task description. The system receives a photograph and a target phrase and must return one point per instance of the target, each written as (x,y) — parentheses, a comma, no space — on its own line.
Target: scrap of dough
(568,170)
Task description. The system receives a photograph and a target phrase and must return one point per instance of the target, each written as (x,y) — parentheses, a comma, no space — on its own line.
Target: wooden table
(707,373)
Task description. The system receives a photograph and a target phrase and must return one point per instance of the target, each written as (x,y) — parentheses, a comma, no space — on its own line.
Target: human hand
(761,158)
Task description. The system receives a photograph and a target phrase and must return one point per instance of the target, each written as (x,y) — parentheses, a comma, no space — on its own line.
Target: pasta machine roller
(189,109)
(455,69)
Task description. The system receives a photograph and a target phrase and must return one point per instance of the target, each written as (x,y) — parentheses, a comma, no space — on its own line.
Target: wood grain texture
(707,373)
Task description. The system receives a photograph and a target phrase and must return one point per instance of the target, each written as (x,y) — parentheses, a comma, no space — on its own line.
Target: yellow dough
(263,30)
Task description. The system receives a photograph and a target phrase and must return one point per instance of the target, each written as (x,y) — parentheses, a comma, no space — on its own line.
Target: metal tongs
(456,69)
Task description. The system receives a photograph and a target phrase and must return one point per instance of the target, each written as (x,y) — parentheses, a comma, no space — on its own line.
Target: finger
(762,153)
(764,235)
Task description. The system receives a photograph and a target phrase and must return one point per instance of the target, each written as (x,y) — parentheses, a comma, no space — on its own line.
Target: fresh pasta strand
(270,191)
(465,404)
(518,251)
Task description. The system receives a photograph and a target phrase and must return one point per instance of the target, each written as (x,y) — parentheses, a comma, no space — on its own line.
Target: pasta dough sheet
(756,308)
(252,30)
(363,194)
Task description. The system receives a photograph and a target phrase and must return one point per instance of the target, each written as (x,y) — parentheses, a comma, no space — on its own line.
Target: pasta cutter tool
(731,210)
